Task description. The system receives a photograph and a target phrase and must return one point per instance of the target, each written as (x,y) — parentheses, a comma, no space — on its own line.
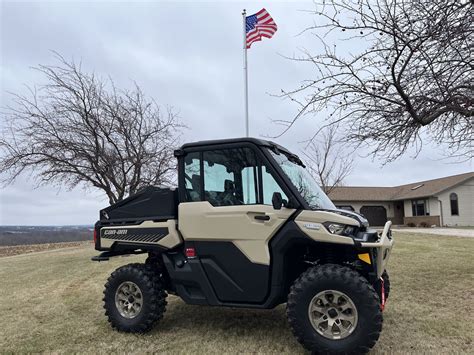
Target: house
(447,201)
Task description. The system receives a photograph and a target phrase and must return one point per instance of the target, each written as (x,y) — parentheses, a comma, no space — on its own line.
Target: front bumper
(382,249)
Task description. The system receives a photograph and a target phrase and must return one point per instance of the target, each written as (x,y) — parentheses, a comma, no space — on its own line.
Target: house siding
(434,206)
(407,207)
(465,192)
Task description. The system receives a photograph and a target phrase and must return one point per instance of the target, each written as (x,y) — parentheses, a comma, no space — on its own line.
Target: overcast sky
(184,54)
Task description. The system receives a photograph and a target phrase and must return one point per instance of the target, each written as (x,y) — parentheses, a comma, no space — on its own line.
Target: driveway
(456,232)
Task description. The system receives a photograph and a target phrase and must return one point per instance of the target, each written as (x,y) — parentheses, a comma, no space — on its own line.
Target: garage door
(376,215)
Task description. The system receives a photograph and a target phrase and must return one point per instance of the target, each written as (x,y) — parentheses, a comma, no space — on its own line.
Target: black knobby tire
(356,287)
(386,285)
(154,298)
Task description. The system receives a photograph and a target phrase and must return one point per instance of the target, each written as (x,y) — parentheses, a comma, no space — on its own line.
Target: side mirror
(277,201)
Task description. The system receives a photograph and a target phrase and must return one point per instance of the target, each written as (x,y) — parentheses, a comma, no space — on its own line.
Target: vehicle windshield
(304,183)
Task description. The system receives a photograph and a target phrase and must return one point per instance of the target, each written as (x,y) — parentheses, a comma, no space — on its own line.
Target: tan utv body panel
(311,224)
(384,246)
(200,221)
(171,240)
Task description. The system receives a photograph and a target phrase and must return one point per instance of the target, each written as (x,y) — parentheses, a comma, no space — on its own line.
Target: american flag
(259,25)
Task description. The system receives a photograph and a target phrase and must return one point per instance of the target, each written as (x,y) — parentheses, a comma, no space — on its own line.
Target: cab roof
(256,141)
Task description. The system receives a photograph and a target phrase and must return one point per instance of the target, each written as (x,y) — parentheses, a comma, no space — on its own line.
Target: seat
(228,196)
(229,186)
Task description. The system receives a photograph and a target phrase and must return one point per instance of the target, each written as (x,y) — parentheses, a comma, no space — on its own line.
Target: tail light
(190,252)
(95,236)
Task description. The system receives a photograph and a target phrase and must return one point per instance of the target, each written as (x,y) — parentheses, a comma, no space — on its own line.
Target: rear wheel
(134,298)
(333,309)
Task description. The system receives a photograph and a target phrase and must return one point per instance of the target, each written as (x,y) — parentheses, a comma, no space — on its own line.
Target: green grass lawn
(52,302)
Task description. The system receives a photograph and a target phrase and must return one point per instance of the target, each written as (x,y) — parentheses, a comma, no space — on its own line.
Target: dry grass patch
(52,303)
(33,248)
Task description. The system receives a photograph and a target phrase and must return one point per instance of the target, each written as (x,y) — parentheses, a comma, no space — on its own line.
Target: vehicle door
(227,215)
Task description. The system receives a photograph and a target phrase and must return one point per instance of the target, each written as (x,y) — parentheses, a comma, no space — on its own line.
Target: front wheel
(333,309)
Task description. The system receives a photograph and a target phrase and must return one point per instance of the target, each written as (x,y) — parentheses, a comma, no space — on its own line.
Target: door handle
(263,217)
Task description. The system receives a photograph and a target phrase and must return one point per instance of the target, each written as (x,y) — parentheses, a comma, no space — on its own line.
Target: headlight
(334,228)
(340,229)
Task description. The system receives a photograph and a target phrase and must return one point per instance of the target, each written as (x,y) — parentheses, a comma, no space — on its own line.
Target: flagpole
(246,93)
(246,85)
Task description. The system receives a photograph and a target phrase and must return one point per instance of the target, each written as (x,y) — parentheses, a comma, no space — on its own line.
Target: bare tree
(80,130)
(328,160)
(408,75)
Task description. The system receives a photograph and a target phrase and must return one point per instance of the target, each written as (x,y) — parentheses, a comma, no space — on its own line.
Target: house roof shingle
(414,190)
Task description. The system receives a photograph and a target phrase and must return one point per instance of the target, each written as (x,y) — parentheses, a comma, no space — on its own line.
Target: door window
(192,177)
(250,185)
(270,186)
(230,177)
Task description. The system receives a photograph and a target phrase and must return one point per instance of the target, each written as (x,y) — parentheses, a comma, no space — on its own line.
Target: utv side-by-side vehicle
(247,227)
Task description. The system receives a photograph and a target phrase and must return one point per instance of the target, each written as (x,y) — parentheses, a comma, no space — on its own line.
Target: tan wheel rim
(128,299)
(333,314)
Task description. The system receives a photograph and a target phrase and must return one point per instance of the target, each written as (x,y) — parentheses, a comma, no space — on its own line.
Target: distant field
(52,302)
(33,248)
(23,235)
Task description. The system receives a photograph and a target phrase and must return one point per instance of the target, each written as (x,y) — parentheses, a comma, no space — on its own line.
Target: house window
(453,198)
(420,208)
